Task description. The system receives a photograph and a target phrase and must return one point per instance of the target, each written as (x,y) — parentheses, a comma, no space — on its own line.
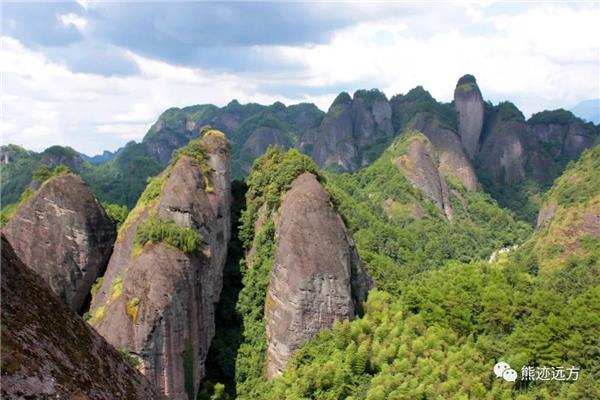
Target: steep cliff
(316,278)
(503,154)
(419,165)
(470,109)
(163,281)
(64,235)
(351,133)
(452,158)
(48,352)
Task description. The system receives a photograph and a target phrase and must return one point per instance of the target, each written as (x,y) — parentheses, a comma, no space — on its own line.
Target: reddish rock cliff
(316,277)
(48,352)
(159,301)
(65,236)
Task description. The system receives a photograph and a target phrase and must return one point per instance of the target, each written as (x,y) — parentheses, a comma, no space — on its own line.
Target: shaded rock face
(503,154)
(160,303)
(260,140)
(48,352)
(316,277)
(563,140)
(65,236)
(469,106)
(350,127)
(452,158)
(421,169)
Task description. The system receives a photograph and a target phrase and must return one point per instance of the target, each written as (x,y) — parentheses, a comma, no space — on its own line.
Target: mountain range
(387,249)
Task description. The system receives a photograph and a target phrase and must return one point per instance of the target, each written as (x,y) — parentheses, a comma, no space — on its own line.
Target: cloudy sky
(94,75)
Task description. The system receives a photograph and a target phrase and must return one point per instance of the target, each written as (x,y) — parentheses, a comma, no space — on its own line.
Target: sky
(95,75)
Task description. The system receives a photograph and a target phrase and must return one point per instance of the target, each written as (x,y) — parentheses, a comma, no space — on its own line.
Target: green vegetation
(271,177)
(441,339)
(129,357)
(42,173)
(117,213)
(156,230)
(560,117)
(378,205)
(8,211)
(123,179)
(40,176)
(342,98)
(506,110)
(188,369)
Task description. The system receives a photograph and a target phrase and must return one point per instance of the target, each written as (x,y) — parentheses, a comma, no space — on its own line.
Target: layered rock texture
(158,296)
(316,278)
(48,352)
(470,109)
(350,131)
(65,236)
(420,166)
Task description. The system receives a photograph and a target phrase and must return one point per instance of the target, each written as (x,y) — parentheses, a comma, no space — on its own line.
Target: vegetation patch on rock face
(156,230)
(271,177)
(40,176)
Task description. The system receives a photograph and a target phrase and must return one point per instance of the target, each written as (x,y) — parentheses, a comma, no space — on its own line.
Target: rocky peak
(64,235)
(349,129)
(163,281)
(419,165)
(316,278)
(469,106)
(48,352)
(503,155)
(453,160)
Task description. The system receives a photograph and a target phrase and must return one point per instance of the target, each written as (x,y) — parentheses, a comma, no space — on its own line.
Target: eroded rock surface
(420,167)
(316,277)
(351,127)
(469,106)
(159,302)
(48,352)
(65,236)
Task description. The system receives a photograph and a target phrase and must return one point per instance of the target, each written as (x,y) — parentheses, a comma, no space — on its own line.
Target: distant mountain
(100,158)
(514,159)
(588,110)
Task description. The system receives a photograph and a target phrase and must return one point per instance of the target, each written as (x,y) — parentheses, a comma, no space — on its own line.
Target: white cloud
(75,20)
(44,103)
(540,57)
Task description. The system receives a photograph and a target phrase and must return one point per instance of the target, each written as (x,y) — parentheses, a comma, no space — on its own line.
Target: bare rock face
(420,167)
(503,155)
(468,103)
(452,158)
(563,140)
(316,277)
(48,352)
(260,140)
(159,302)
(65,236)
(350,127)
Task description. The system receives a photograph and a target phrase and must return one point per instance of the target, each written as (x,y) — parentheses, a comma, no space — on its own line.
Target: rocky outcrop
(316,278)
(65,236)
(503,155)
(452,158)
(348,130)
(420,166)
(157,300)
(566,140)
(469,106)
(48,352)
(259,142)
